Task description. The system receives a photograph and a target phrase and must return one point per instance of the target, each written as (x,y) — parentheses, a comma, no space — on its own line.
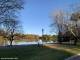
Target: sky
(36,14)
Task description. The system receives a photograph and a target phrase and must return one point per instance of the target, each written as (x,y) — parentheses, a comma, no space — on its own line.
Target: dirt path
(57,46)
(68,48)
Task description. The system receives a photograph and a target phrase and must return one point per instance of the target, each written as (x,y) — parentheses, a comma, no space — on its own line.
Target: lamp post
(42,32)
(42,35)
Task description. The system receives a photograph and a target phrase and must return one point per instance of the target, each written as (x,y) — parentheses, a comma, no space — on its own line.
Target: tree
(8,16)
(46,37)
(75,17)
(11,28)
(68,25)
(59,23)
(9,8)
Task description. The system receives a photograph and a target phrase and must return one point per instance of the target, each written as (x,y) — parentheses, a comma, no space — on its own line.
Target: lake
(28,43)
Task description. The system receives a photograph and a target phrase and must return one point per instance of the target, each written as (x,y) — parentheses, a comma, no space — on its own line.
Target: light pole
(42,35)
(42,32)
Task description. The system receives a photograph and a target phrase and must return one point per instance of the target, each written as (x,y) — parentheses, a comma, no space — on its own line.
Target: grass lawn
(33,53)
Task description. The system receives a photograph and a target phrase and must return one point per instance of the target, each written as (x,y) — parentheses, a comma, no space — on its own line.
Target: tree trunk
(75,41)
(11,40)
(59,38)
(11,43)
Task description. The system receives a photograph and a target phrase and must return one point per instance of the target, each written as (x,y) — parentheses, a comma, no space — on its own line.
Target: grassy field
(33,53)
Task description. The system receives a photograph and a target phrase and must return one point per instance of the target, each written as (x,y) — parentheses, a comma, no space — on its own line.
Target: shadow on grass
(33,53)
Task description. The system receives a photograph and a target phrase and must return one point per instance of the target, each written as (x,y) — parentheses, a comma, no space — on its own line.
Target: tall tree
(8,16)
(11,28)
(59,23)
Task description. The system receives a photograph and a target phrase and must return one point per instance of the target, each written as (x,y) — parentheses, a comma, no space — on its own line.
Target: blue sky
(36,14)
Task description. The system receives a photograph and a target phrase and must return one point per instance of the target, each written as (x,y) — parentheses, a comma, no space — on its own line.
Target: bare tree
(59,24)
(11,28)
(9,7)
(75,18)
(68,23)
(8,17)
(62,24)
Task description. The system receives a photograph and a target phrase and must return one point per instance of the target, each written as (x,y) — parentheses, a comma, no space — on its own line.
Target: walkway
(57,46)
(76,57)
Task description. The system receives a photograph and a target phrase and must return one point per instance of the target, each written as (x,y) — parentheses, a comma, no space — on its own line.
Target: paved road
(76,57)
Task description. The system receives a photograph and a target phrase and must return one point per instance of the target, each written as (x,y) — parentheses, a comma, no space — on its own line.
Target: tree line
(28,37)
(34,37)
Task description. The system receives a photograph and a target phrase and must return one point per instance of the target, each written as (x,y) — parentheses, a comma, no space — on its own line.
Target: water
(29,43)
(26,43)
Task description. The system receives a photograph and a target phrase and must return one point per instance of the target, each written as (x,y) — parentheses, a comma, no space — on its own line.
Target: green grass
(34,53)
